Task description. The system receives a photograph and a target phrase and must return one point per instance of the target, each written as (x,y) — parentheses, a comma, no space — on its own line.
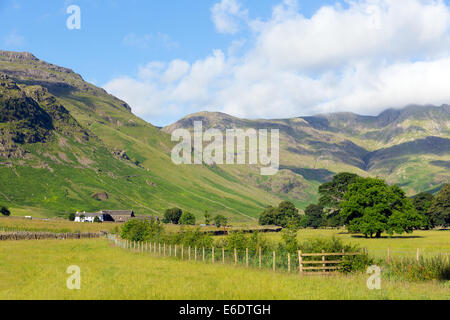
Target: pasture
(37,270)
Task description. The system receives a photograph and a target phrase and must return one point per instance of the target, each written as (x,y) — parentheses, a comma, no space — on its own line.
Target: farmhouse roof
(117,212)
(87,214)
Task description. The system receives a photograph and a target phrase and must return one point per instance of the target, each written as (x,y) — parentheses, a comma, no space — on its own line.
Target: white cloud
(228,15)
(372,55)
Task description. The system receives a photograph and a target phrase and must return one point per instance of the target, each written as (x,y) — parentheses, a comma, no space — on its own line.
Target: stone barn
(117,215)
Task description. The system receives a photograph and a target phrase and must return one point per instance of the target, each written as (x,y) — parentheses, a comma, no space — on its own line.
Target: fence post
(274,261)
(389,254)
(212,255)
(418,254)
(246,257)
(203,254)
(235,256)
(300,262)
(154,247)
(323,258)
(260,257)
(223,255)
(175,251)
(164,250)
(170,250)
(159,248)
(289,262)
(189,253)
(182,251)
(195,253)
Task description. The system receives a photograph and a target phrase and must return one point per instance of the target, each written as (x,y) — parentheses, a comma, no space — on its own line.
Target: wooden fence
(306,264)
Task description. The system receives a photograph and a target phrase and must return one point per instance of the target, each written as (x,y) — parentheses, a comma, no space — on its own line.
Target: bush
(187,218)
(148,230)
(97,219)
(72,216)
(172,215)
(5,211)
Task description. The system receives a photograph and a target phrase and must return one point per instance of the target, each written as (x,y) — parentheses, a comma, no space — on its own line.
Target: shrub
(284,215)
(148,230)
(72,216)
(97,219)
(5,211)
(187,218)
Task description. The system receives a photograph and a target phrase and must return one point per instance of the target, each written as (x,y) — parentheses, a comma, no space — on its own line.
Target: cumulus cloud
(228,16)
(365,57)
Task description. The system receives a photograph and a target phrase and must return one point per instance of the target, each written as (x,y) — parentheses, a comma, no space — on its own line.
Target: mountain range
(67,145)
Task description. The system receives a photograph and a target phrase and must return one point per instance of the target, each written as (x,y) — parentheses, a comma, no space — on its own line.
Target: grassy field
(37,270)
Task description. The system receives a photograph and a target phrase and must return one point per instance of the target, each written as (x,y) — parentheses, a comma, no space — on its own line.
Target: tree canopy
(314,216)
(172,215)
(439,211)
(422,202)
(285,214)
(220,220)
(187,219)
(370,206)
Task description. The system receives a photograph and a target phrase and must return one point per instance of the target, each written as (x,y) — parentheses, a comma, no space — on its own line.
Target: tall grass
(426,268)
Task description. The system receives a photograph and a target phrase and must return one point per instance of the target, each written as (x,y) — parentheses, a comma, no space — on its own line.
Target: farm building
(87,217)
(105,216)
(117,215)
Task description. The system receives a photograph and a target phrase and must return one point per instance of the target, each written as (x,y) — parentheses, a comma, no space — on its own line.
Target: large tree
(370,206)
(285,214)
(314,216)
(332,193)
(439,211)
(172,215)
(422,202)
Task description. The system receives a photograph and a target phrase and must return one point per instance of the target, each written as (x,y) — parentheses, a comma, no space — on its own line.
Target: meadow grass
(37,270)
(430,242)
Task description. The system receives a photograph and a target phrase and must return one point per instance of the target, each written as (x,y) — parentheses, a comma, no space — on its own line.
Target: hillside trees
(439,211)
(220,221)
(370,206)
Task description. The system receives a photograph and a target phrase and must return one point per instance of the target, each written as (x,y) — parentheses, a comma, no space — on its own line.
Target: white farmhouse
(87,217)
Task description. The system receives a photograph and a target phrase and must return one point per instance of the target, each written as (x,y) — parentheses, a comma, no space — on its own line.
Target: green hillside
(92,144)
(67,145)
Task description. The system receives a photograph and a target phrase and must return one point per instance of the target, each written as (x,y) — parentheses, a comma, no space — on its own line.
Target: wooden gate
(322,266)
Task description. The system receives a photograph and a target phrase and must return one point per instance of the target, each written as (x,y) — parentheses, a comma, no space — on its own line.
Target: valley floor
(37,270)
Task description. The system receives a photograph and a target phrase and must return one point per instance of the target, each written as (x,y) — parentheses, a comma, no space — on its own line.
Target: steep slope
(62,164)
(410,146)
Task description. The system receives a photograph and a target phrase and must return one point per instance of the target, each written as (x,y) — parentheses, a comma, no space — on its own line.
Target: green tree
(422,202)
(72,216)
(439,211)
(269,216)
(187,219)
(285,214)
(207,216)
(97,219)
(5,211)
(220,220)
(371,207)
(314,216)
(172,215)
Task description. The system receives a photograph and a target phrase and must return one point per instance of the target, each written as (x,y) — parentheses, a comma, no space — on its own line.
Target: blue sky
(255,59)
